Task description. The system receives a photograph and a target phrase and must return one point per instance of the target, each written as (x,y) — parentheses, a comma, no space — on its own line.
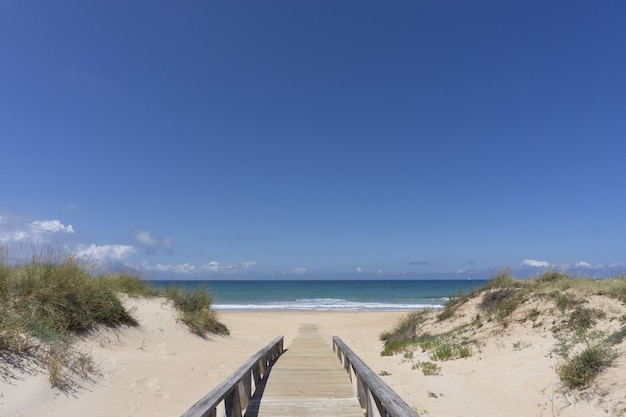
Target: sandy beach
(160,369)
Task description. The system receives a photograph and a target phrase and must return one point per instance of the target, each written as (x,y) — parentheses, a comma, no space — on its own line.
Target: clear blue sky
(316,138)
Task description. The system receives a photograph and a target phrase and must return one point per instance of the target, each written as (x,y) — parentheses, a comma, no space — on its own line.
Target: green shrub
(565,301)
(616,337)
(449,349)
(581,369)
(442,353)
(195,309)
(12,333)
(582,318)
(502,279)
(452,305)
(64,297)
(502,302)
(428,368)
(552,277)
(396,346)
(406,328)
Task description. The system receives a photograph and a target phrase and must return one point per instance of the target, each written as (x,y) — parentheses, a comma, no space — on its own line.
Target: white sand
(159,369)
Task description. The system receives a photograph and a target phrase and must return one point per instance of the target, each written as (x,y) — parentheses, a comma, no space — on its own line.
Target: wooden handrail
(234,393)
(374,395)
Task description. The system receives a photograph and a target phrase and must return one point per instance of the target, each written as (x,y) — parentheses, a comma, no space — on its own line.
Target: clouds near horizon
(101,253)
(536,264)
(212,267)
(37,231)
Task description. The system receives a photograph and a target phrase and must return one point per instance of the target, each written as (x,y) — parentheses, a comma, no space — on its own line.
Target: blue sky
(243,139)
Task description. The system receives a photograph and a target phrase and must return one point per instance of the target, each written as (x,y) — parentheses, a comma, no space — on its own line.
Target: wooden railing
(232,396)
(374,395)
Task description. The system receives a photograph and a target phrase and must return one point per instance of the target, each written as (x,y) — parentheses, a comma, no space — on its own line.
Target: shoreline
(221,310)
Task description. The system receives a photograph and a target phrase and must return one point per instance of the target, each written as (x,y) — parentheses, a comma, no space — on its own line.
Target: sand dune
(160,369)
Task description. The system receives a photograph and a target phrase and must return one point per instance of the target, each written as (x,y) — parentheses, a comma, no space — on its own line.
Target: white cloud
(52,226)
(583,264)
(298,271)
(175,269)
(215,266)
(359,269)
(38,231)
(536,264)
(105,252)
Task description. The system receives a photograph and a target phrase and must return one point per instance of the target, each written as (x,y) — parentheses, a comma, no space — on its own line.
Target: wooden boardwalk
(307,380)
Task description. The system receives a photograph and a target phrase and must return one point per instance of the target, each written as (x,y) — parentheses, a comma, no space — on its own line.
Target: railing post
(256,374)
(245,391)
(361,392)
(231,402)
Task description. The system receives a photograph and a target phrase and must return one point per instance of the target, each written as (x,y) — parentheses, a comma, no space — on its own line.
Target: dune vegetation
(587,318)
(52,299)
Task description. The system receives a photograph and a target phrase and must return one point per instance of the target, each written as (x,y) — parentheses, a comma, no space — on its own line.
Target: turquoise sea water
(336,295)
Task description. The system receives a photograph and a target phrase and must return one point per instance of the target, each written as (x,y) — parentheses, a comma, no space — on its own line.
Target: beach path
(307,380)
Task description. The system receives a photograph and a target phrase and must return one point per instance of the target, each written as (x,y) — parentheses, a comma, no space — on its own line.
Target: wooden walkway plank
(307,380)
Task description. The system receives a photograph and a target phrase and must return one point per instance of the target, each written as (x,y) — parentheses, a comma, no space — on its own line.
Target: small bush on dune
(502,279)
(405,329)
(552,277)
(614,288)
(616,337)
(404,335)
(428,368)
(396,346)
(195,309)
(582,318)
(452,305)
(581,369)
(502,302)
(13,333)
(565,301)
(446,347)
(64,298)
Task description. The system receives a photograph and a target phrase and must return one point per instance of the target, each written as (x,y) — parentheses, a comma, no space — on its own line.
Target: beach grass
(195,309)
(50,300)
(553,297)
(580,370)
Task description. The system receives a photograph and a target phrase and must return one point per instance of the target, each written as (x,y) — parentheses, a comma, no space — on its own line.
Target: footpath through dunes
(307,380)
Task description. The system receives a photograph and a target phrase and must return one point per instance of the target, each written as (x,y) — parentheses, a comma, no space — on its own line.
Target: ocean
(327,295)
